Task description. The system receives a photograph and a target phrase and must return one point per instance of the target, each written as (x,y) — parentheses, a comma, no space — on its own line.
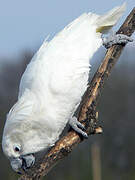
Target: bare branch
(87,113)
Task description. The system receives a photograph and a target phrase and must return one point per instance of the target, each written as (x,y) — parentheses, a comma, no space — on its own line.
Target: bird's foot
(114,39)
(77,126)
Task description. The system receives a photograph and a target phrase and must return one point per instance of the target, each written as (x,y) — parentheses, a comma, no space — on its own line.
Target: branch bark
(87,112)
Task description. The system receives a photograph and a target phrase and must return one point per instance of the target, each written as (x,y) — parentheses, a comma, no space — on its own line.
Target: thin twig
(87,113)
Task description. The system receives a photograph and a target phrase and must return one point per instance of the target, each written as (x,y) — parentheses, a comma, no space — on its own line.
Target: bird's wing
(66,57)
(61,61)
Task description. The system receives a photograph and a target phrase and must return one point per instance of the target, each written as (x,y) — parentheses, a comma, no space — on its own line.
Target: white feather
(54,82)
(112,17)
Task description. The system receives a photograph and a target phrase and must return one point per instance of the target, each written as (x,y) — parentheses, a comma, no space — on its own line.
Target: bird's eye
(17,149)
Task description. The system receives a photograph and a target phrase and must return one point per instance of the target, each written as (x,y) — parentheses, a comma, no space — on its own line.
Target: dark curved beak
(23,162)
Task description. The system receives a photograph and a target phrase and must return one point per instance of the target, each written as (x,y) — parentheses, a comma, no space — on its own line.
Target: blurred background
(23,27)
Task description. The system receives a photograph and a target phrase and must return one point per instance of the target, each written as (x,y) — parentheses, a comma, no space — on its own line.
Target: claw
(80,125)
(116,39)
(77,126)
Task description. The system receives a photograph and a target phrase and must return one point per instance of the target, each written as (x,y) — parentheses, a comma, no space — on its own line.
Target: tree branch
(87,114)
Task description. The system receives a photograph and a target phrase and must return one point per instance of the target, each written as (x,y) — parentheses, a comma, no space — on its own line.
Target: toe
(80,125)
(77,126)
(78,130)
(116,39)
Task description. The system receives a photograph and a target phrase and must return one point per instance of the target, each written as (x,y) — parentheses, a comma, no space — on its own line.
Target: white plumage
(53,84)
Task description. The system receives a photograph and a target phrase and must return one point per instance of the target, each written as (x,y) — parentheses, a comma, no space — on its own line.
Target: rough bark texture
(87,113)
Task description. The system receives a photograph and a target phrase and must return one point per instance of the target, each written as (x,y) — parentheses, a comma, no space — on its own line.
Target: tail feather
(106,22)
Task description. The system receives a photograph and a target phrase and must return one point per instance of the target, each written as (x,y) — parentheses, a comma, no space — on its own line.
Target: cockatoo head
(21,141)
(24,135)
(14,149)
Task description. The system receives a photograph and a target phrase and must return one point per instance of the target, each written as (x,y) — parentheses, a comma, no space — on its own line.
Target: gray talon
(80,125)
(116,39)
(77,126)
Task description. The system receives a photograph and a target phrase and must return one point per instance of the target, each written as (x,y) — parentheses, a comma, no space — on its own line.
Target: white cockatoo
(52,86)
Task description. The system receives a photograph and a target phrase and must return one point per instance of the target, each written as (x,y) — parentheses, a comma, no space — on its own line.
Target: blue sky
(25,24)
